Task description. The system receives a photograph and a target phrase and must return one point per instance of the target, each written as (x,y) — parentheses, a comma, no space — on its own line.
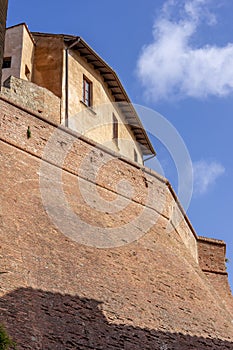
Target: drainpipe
(145,160)
(67,81)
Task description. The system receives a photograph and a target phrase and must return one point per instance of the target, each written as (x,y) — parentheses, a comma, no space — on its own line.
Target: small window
(115,129)
(27,72)
(135,156)
(87,92)
(6,62)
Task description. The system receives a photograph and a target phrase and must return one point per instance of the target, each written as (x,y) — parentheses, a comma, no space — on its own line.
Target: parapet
(32,97)
(211,254)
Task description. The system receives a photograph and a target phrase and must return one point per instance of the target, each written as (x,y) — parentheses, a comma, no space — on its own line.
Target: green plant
(29,133)
(6,343)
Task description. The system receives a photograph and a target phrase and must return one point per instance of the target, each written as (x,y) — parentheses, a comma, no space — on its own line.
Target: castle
(75,87)
(157,284)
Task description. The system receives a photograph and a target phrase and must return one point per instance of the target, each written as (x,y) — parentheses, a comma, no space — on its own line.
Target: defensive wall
(166,289)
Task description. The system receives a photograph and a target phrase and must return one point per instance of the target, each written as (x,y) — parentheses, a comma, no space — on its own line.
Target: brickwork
(3,11)
(212,261)
(59,294)
(87,158)
(211,254)
(80,323)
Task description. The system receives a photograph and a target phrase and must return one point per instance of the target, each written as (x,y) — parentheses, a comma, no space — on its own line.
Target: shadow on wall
(43,320)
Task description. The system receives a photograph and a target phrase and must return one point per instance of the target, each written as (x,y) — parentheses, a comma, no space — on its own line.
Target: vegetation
(6,343)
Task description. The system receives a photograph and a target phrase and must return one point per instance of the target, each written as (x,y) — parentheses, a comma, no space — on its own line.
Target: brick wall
(3,11)
(212,261)
(149,189)
(211,254)
(57,293)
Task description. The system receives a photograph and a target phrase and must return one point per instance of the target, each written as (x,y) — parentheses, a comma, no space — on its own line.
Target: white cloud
(205,175)
(172,67)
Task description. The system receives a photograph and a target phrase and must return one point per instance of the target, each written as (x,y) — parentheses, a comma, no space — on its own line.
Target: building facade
(91,98)
(3,12)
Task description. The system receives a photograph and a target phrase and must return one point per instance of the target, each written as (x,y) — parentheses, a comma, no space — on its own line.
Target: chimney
(3,13)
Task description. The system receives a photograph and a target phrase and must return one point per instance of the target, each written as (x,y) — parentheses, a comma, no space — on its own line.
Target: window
(27,72)
(6,62)
(115,129)
(135,156)
(87,92)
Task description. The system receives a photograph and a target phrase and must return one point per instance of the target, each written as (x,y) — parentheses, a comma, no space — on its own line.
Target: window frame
(87,93)
(27,72)
(115,129)
(6,63)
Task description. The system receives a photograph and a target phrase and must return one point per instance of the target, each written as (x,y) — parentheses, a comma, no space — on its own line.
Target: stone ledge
(215,272)
(211,240)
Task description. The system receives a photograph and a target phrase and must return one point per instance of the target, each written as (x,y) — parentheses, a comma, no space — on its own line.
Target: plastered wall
(48,62)
(97,122)
(13,48)
(20,47)
(27,58)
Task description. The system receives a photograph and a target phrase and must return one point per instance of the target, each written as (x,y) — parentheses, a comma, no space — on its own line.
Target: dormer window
(6,62)
(87,91)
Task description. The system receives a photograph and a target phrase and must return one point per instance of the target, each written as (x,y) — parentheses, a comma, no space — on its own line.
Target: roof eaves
(145,143)
(47,35)
(110,71)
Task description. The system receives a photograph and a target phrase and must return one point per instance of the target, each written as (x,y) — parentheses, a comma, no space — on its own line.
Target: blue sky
(175,57)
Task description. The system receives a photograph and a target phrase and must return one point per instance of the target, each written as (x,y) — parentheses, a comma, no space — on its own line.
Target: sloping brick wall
(59,294)
(85,158)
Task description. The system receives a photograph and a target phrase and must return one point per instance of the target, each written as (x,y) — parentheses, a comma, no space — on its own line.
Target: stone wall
(60,292)
(32,97)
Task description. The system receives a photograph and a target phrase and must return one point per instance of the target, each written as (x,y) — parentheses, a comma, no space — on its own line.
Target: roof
(114,84)
(26,27)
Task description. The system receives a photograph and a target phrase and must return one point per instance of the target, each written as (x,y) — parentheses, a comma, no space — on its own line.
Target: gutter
(145,160)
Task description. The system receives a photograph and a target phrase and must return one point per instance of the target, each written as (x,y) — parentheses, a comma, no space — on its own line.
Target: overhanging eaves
(118,92)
